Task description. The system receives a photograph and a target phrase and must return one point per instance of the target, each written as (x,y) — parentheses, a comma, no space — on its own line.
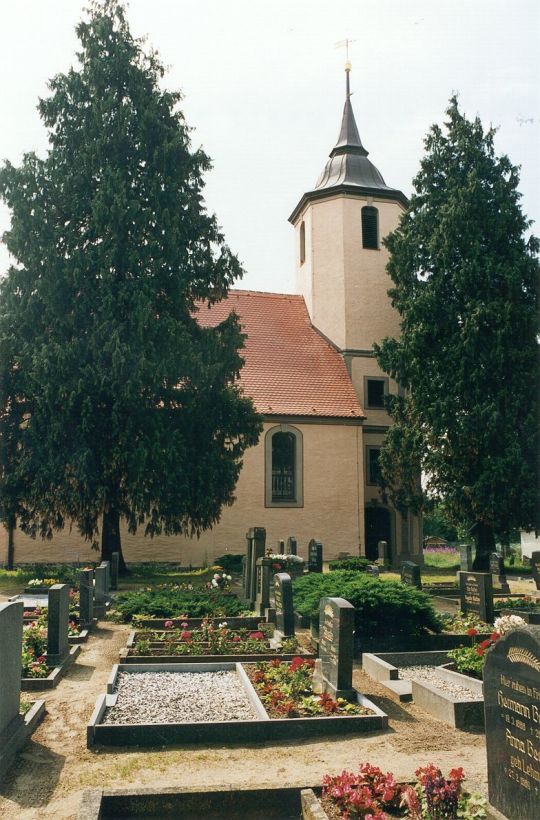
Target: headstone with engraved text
(264,578)
(383,553)
(292,546)
(283,604)
(496,567)
(315,556)
(465,557)
(476,594)
(11,630)
(336,631)
(257,551)
(411,575)
(57,624)
(511,678)
(86,597)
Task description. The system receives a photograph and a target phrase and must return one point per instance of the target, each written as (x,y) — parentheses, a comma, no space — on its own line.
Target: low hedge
(172,603)
(358,564)
(382,607)
(231,562)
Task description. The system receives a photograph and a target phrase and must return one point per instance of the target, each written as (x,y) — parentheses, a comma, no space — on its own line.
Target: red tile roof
(290,369)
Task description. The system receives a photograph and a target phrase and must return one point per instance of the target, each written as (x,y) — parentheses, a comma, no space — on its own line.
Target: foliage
(438,798)
(471,659)
(461,622)
(441,557)
(176,602)
(526,603)
(357,563)
(367,793)
(435,521)
(389,608)
(466,288)
(230,562)
(131,408)
(286,691)
(34,648)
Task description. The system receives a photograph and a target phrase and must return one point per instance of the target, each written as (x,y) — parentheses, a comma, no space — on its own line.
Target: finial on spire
(348,65)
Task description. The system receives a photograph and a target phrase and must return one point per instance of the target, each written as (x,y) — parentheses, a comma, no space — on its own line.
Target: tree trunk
(11,544)
(485,545)
(110,538)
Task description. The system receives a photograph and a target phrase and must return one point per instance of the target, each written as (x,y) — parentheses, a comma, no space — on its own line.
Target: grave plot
(16,723)
(206,643)
(46,653)
(525,606)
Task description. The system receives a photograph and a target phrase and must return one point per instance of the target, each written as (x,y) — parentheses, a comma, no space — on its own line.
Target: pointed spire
(349,141)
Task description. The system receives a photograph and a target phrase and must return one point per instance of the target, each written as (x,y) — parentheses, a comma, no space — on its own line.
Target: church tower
(341,272)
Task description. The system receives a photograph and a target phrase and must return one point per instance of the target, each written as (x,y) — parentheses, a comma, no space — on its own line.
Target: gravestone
(280,547)
(383,553)
(57,624)
(115,565)
(535,566)
(476,594)
(257,551)
(11,630)
(264,578)
(292,546)
(315,556)
(100,590)
(107,566)
(283,604)
(496,567)
(336,631)
(247,575)
(410,574)
(372,569)
(465,557)
(512,720)
(86,595)
(244,573)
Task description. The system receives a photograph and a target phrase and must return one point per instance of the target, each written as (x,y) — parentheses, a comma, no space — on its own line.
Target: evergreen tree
(466,287)
(131,410)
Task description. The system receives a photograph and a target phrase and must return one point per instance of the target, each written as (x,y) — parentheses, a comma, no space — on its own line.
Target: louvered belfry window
(370,227)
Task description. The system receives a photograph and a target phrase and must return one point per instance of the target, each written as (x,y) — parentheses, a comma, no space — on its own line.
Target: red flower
(485,644)
(236,638)
(185,635)
(495,636)
(256,636)
(472,632)
(480,651)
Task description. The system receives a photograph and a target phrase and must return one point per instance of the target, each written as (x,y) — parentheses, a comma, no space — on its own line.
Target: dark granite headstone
(292,546)
(11,630)
(383,553)
(86,594)
(244,564)
(100,590)
(315,556)
(283,604)
(496,567)
(535,566)
(57,624)
(107,566)
(372,569)
(264,578)
(280,547)
(259,539)
(249,553)
(512,720)
(465,557)
(410,574)
(336,629)
(115,565)
(476,594)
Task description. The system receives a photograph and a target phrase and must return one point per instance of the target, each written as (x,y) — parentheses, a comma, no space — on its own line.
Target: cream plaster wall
(332,512)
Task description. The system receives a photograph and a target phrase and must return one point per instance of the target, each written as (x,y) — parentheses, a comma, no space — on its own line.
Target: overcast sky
(263,90)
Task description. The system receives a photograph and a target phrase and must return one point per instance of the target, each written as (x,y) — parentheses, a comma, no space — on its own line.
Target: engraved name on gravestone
(336,630)
(476,594)
(315,556)
(11,630)
(410,574)
(512,719)
(283,603)
(535,566)
(292,546)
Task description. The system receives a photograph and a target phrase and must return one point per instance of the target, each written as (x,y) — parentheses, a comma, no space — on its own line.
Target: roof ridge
(270,293)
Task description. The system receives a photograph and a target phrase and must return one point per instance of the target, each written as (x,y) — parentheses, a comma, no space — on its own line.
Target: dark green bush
(358,564)
(383,608)
(231,562)
(171,603)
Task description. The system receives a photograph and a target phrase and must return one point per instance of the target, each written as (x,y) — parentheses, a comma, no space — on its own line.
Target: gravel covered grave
(179,697)
(429,674)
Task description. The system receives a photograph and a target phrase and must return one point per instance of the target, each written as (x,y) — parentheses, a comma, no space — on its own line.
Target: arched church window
(370,227)
(283,469)
(302,243)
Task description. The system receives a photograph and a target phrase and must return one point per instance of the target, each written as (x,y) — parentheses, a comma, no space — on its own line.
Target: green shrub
(171,603)
(382,608)
(231,562)
(358,564)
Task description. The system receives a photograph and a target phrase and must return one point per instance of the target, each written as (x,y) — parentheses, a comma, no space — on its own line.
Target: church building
(311,372)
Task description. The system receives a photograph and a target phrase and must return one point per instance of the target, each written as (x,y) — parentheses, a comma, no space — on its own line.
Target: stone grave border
(461,714)
(172,802)
(82,637)
(222,732)
(55,676)
(12,742)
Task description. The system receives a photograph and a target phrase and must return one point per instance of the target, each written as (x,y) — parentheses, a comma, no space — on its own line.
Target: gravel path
(177,697)
(429,674)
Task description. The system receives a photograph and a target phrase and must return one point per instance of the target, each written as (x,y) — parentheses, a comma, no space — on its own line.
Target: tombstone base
(17,732)
(57,660)
(347,694)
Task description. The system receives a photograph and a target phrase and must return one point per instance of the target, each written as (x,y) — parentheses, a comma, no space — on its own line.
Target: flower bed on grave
(469,660)
(175,601)
(206,643)
(526,607)
(38,616)
(34,656)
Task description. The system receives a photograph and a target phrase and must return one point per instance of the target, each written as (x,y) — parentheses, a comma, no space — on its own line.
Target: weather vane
(345,44)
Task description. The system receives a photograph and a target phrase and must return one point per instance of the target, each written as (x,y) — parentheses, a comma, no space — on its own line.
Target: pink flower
(169,624)
(236,638)
(256,636)
(185,635)
(184,624)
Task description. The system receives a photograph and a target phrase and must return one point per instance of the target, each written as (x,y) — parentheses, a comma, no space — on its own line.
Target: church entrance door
(378,528)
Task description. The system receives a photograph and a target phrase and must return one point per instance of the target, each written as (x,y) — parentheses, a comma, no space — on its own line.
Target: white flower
(292,559)
(216,576)
(220,626)
(228,577)
(214,582)
(506,623)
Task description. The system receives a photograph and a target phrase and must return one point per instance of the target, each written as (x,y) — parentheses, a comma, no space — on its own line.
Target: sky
(264,87)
